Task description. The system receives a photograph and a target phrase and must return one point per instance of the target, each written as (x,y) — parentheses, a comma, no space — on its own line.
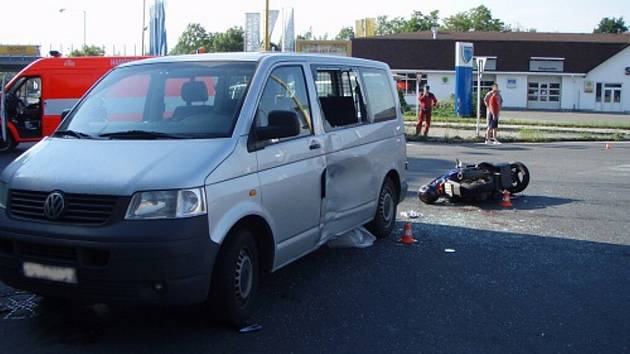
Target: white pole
(418,77)
(478,97)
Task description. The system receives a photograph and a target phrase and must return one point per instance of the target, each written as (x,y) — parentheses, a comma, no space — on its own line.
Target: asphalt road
(550,275)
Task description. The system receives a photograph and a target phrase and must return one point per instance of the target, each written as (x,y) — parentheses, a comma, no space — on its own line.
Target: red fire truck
(36,96)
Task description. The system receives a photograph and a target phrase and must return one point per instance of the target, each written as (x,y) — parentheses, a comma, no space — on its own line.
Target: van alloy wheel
(244,279)
(386,206)
(385,217)
(235,279)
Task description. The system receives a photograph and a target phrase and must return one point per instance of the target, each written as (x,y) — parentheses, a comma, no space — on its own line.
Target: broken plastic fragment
(251,328)
(449,250)
(411,214)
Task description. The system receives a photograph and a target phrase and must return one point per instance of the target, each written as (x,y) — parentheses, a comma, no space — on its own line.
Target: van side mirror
(282,124)
(64,113)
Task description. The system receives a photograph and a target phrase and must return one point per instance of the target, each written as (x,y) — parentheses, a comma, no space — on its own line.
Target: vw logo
(54,206)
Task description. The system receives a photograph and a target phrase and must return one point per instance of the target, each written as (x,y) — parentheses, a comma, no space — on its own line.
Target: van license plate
(52,273)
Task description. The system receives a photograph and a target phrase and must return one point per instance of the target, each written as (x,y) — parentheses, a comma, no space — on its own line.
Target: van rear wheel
(9,144)
(385,218)
(234,285)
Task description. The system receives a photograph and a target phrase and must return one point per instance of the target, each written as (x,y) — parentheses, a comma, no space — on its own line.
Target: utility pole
(266,40)
(84,29)
(144,26)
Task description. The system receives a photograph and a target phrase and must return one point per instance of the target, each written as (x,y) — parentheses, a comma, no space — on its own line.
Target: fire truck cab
(35,98)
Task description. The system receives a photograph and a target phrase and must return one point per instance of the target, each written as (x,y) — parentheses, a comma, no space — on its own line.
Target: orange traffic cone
(407,238)
(507,201)
(608,146)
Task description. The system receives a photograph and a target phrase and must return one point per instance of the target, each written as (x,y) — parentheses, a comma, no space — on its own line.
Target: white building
(549,71)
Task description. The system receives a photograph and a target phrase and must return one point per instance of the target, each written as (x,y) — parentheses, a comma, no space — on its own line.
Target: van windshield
(188,100)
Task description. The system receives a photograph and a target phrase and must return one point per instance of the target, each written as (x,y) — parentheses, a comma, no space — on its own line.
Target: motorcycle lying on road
(478,182)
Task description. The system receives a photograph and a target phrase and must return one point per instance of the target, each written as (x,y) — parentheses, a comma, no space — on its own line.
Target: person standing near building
(427,103)
(494,103)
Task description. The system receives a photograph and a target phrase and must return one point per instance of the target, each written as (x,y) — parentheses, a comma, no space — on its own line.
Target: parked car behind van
(180,180)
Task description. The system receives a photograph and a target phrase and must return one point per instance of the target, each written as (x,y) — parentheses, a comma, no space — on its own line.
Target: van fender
(221,227)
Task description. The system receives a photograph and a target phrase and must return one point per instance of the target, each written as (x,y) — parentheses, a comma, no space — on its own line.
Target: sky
(117,24)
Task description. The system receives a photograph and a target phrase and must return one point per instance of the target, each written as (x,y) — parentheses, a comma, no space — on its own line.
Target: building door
(611,100)
(543,93)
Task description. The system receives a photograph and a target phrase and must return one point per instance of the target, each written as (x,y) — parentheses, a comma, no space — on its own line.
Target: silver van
(180,180)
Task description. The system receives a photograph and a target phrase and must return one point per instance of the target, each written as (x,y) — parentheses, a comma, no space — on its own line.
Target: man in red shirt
(494,102)
(427,103)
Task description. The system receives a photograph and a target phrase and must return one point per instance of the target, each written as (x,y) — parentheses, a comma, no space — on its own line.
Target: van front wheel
(235,280)
(385,218)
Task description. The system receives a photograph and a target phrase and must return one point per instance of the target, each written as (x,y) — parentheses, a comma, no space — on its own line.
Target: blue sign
(464,53)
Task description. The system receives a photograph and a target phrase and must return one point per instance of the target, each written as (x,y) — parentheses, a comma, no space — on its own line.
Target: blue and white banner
(464,53)
(157,29)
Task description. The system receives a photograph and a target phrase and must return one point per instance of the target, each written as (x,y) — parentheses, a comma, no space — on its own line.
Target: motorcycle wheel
(428,195)
(520,177)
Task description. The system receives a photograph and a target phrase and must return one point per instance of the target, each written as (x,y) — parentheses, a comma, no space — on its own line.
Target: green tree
(611,25)
(421,22)
(193,38)
(231,40)
(307,36)
(415,23)
(385,26)
(346,33)
(88,51)
(476,19)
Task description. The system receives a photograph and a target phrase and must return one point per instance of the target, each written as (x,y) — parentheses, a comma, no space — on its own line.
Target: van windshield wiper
(73,133)
(139,134)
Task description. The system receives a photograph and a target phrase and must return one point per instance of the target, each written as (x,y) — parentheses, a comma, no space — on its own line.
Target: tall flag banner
(157,28)
(288,30)
(464,53)
(252,32)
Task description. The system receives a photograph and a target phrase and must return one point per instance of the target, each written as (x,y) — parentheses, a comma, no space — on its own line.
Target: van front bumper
(158,262)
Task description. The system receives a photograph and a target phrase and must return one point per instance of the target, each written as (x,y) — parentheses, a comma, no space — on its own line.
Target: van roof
(258,57)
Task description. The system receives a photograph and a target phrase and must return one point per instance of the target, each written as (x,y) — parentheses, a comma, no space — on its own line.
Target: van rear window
(380,97)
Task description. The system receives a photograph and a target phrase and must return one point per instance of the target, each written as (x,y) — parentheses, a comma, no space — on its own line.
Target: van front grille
(80,208)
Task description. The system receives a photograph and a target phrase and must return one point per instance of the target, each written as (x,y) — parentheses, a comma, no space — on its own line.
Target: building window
(598,92)
(546,64)
(491,64)
(543,91)
(407,82)
(486,85)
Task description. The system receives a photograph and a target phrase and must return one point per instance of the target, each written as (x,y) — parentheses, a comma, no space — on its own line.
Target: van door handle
(315,145)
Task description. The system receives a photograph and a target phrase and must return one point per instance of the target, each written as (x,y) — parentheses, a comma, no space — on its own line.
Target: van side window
(380,97)
(285,90)
(340,97)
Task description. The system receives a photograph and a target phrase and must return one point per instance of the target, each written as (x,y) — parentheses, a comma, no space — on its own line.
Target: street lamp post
(62,10)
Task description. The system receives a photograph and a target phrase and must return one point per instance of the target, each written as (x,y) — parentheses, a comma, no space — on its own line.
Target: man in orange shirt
(427,103)
(494,102)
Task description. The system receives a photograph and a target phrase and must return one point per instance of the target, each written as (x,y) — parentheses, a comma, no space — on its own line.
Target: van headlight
(172,204)
(4,192)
